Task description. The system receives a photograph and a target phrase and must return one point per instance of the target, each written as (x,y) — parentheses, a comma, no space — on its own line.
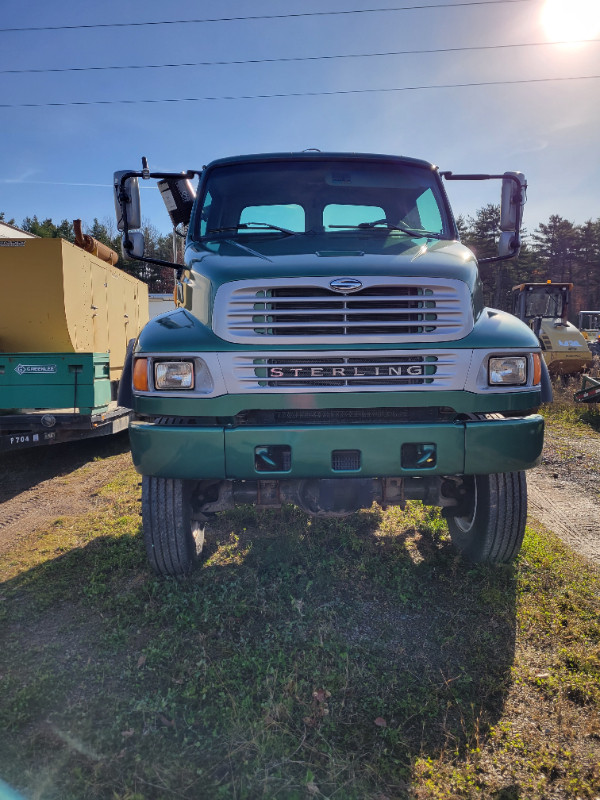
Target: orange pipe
(93,246)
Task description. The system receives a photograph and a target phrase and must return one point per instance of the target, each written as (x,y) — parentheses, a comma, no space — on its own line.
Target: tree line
(557,250)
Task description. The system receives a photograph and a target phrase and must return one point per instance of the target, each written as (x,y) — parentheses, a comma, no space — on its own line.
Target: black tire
(493,523)
(173,539)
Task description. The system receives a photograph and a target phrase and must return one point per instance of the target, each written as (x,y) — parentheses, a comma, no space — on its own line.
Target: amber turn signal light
(537,369)
(140,374)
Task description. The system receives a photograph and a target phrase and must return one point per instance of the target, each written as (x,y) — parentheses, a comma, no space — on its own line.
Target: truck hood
(386,256)
(381,256)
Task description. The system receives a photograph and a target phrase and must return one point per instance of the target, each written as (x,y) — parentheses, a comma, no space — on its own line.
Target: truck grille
(346,372)
(292,311)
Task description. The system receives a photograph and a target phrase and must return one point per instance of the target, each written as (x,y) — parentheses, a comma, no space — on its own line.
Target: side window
(429,212)
(289,216)
(335,216)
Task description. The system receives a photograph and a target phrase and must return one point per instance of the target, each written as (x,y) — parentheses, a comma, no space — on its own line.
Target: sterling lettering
(364,371)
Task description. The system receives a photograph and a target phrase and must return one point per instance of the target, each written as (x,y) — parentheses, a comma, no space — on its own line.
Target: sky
(342,94)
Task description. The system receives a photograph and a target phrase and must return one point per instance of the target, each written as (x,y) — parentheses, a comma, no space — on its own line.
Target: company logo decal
(346,285)
(35,369)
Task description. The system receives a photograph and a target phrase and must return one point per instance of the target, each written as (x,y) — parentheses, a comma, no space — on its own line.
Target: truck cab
(330,348)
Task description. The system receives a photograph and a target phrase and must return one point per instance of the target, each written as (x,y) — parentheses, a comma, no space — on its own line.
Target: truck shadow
(22,469)
(346,637)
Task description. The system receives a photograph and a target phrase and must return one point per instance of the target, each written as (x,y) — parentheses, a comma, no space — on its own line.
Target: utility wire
(295,94)
(259,16)
(291,58)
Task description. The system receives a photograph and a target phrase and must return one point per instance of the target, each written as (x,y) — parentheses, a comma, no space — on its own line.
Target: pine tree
(47,229)
(555,245)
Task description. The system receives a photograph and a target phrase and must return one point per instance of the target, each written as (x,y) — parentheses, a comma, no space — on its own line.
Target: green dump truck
(66,317)
(330,348)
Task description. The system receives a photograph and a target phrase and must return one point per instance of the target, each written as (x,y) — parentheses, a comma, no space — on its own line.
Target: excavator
(545,307)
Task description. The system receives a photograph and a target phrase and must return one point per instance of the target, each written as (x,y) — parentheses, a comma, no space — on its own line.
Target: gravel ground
(564,491)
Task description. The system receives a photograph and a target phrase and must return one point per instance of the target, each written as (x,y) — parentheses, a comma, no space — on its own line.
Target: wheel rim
(466,522)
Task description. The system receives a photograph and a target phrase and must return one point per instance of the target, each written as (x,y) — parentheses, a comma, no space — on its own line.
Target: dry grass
(352,659)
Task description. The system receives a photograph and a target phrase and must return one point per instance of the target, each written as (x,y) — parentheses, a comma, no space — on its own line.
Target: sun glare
(571,20)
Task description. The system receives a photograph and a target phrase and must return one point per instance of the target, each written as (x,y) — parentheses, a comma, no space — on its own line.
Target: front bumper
(466,447)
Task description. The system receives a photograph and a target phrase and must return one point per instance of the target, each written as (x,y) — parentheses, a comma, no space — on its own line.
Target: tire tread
(497,532)
(170,545)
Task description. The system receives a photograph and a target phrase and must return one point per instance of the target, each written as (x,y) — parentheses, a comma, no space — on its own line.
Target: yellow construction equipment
(67,315)
(57,297)
(545,307)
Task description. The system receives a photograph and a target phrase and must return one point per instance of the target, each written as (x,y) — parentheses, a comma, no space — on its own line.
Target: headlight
(174,375)
(507,370)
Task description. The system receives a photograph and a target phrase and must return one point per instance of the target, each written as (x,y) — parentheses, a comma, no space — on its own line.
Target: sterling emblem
(345,285)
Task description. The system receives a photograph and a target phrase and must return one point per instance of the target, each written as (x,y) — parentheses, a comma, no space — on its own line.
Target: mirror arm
(450,176)
(144,175)
(158,261)
(489,259)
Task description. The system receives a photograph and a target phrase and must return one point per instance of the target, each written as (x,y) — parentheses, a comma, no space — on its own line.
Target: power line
(288,59)
(295,94)
(259,16)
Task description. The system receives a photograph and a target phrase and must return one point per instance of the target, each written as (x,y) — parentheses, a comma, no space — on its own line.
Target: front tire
(173,539)
(492,522)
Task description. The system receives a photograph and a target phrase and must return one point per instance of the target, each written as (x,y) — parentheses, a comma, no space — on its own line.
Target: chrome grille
(343,372)
(293,311)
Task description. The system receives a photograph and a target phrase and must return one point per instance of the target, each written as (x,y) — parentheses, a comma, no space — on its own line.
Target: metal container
(57,298)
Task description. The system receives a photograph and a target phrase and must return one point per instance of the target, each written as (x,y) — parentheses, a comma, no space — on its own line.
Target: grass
(564,411)
(356,659)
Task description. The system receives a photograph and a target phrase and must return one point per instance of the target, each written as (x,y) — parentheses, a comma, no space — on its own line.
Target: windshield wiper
(243,247)
(400,226)
(254,226)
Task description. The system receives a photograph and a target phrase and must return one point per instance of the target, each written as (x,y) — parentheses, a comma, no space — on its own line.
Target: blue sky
(58,161)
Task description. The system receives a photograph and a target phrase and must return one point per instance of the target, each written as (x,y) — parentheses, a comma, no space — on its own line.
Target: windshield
(544,302)
(285,198)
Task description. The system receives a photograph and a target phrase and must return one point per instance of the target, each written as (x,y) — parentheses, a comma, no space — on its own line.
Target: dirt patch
(37,487)
(564,491)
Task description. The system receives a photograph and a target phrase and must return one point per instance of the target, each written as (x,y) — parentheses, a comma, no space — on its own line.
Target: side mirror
(514,185)
(127,201)
(509,244)
(133,245)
